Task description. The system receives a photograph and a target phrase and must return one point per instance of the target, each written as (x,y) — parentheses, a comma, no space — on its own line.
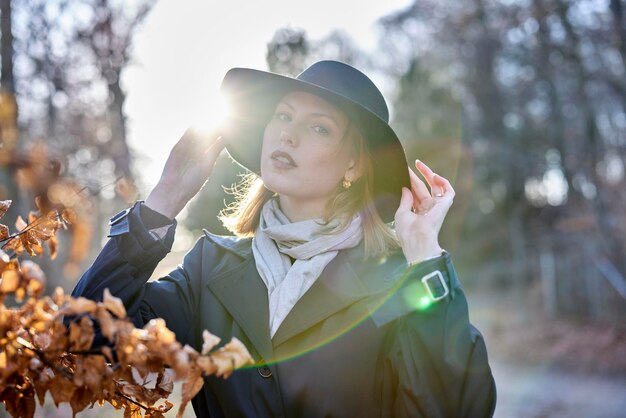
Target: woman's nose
(288,137)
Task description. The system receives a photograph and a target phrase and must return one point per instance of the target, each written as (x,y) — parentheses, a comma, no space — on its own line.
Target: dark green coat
(366,340)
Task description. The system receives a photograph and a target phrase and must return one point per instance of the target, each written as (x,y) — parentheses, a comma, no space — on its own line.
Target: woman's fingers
(418,231)
(429,175)
(211,154)
(406,201)
(418,187)
(438,185)
(445,185)
(197,142)
(195,148)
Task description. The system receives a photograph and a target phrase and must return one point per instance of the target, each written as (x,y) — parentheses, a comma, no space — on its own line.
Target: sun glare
(213,117)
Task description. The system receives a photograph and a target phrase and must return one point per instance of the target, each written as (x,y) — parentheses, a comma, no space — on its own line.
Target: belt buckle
(426,280)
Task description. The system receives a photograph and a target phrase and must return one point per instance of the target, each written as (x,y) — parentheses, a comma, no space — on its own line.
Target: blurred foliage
(38,174)
(61,79)
(542,87)
(288,51)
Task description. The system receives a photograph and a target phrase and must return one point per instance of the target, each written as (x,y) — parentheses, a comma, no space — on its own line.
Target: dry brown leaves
(35,170)
(46,344)
(31,235)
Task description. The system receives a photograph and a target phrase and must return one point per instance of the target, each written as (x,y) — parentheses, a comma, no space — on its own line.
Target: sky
(185,47)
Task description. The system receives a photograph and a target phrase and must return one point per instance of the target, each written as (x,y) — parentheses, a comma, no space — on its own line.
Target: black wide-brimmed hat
(253,95)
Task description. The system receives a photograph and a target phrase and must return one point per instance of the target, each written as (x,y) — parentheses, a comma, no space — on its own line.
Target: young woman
(345,316)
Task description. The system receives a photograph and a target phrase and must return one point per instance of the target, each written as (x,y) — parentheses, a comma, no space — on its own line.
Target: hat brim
(252,97)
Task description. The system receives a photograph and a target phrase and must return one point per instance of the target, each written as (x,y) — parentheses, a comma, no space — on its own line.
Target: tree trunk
(117,119)
(8,122)
(6,74)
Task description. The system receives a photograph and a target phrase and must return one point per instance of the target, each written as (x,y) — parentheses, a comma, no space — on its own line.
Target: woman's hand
(421,213)
(187,168)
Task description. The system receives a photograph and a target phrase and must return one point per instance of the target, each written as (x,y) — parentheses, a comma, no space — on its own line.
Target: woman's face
(304,157)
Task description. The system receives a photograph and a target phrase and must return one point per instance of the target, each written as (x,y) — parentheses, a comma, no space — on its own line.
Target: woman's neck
(298,210)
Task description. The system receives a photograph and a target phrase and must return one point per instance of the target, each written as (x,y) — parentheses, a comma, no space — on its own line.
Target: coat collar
(240,246)
(242,292)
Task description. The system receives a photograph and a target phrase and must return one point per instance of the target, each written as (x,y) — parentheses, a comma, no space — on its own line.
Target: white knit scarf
(277,239)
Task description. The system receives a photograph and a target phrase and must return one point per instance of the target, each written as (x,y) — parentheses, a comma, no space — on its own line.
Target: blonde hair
(243,215)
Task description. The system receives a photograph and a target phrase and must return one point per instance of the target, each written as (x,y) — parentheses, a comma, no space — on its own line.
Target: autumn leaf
(69,216)
(91,371)
(61,389)
(42,384)
(14,244)
(154,414)
(77,306)
(132,411)
(81,334)
(4,206)
(58,296)
(230,357)
(4,260)
(20,223)
(34,276)
(191,386)
(157,327)
(210,341)
(58,337)
(53,243)
(81,399)
(182,361)
(113,304)
(107,324)
(165,382)
(4,232)
(108,353)
(10,281)
(42,340)
(167,405)
(6,323)
(20,406)
(207,365)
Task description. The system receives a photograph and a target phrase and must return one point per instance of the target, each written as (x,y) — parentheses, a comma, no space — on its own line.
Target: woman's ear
(354,172)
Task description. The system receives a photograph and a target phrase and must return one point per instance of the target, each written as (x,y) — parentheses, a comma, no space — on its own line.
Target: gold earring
(346,184)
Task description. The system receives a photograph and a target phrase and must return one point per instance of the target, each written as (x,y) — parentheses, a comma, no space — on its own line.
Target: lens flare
(412,294)
(213,117)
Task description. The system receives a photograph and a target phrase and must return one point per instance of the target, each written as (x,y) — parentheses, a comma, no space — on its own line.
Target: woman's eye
(320,130)
(282,116)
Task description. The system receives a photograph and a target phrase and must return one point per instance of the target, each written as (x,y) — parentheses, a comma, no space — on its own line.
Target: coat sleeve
(435,362)
(128,260)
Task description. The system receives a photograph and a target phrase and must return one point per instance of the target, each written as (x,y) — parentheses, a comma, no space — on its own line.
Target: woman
(344,316)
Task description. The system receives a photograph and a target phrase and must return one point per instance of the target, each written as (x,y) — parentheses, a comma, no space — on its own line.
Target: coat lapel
(337,288)
(244,295)
(242,292)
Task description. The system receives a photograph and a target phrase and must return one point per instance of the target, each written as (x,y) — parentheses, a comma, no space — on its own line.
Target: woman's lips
(283,159)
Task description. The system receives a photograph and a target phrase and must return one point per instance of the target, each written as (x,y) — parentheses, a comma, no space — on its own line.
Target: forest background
(521,104)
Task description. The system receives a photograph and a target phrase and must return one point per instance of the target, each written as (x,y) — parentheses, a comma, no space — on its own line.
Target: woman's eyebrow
(286,103)
(326,115)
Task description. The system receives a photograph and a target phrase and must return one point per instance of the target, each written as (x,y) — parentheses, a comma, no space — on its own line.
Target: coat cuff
(130,229)
(419,287)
